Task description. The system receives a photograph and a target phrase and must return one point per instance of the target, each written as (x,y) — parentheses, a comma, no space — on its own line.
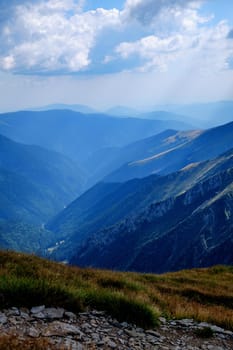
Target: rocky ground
(95,330)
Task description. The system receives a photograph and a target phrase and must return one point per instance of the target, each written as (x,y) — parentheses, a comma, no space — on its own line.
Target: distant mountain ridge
(78,136)
(107,160)
(203,146)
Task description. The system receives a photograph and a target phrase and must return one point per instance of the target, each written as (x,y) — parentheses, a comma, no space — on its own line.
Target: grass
(202,294)
(11,342)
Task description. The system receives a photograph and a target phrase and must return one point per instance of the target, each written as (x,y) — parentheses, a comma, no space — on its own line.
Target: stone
(94,330)
(112,344)
(53,313)
(37,309)
(3,318)
(33,332)
(69,315)
(162,320)
(14,311)
(153,333)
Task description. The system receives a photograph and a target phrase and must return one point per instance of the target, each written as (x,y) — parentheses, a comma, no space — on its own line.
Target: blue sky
(103,53)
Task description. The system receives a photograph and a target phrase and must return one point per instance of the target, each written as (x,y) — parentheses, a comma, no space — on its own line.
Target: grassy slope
(203,294)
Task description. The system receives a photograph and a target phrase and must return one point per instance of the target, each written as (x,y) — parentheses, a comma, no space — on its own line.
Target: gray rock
(37,309)
(162,320)
(53,313)
(70,315)
(153,333)
(112,344)
(14,311)
(3,318)
(33,332)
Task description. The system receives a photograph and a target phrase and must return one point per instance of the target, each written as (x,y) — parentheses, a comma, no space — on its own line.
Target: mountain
(204,145)
(60,106)
(204,114)
(35,183)
(78,135)
(107,160)
(21,236)
(185,229)
(107,205)
(122,111)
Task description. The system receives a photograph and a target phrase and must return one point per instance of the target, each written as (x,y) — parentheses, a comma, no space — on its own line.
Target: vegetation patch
(201,294)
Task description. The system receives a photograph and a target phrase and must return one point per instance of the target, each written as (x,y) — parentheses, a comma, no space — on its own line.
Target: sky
(104,53)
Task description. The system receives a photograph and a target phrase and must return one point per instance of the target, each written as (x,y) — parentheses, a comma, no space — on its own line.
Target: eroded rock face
(96,330)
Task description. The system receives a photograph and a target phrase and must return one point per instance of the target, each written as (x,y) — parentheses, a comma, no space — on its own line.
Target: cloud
(207,49)
(52,36)
(145,11)
(230,34)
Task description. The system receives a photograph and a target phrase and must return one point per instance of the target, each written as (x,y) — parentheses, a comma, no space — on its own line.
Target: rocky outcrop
(96,330)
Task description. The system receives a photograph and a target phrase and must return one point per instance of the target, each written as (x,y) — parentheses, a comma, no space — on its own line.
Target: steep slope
(202,239)
(180,232)
(107,204)
(107,160)
(35,183)
(78,135)
(24,237)
(207,145)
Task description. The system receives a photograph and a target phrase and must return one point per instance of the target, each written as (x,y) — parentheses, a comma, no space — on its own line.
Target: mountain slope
(107,204)
(78,135)
(179,232)
(107,160)
(35,183)
(207,145)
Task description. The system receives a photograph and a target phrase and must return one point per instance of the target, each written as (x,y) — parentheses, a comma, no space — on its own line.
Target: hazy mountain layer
(35,183)
(206,145)
(78,135)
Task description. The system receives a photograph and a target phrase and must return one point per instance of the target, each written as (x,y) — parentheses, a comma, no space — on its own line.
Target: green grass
(202,294)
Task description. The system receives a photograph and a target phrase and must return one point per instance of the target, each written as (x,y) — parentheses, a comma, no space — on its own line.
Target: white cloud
(188,40)
(146,11)
(58,36)
(51,36)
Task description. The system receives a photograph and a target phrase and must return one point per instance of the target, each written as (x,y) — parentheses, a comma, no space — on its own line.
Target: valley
(137,196)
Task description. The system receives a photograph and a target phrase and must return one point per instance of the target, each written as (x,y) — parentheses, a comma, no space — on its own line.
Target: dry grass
(11,342)
(202,294)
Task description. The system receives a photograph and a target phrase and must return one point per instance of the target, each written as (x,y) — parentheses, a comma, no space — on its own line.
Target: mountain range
(180,150)
(121,193)
(176,227)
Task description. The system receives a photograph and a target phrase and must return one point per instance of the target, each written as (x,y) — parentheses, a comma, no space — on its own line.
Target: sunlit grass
(202,294)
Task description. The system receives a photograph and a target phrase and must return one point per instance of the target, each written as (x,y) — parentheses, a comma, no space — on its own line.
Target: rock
(58,328)
(153,333)
(96,330)
(39,315)
(53,313)
(3,318)
(33,332)
(37,309)
(185,322)
(70,315)
(162,320)
(112,344)
(14,311)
